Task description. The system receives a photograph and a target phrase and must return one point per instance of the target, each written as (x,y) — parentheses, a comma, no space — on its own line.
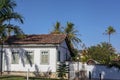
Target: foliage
(7,14)
(57,28)
(62,70)
(83,56)
(70,30)
(114,64)
(102,53)
(6,28)
(7,11)
(110,30)
(75,54)
(72,35)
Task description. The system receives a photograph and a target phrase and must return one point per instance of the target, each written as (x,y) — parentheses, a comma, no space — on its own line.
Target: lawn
(11,78)
(22,78)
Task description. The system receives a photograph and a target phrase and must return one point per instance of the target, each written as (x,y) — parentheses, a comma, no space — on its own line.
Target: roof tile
(38,39)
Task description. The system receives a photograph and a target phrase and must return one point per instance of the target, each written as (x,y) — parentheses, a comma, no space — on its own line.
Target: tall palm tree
(6,15)
(69,30)
(110,30)
(8,26)
(11,15)
(57,28)
(72,34)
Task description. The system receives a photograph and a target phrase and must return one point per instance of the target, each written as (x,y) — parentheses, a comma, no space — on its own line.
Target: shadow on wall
(94,72)
(6,59)
(38,73)
(21,55)
(103,72)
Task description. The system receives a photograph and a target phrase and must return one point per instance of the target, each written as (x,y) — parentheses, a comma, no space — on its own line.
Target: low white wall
(107,73)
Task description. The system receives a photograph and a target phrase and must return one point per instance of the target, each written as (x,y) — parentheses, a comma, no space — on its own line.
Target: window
(58,56)
(29,57)
(15,57)
(44,57)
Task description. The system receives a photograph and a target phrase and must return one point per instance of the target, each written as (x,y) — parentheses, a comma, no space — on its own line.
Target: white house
(36,53)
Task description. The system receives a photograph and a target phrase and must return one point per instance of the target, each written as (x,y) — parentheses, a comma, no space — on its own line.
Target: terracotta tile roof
(38,39)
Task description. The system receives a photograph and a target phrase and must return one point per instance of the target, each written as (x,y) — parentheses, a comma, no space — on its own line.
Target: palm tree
(11,15)
(57,28)
(69,30)
(6,15)
(110,30)
(72,34)
(6,6)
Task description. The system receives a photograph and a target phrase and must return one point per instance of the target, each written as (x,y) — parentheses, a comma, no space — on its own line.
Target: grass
(22,78)
(11,78)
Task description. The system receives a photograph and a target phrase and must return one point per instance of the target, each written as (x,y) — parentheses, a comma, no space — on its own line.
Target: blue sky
(91,18)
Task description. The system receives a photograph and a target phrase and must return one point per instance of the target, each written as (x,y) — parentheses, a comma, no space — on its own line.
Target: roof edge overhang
(30,45)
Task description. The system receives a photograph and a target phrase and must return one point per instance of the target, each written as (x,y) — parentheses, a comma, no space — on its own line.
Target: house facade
(37,54)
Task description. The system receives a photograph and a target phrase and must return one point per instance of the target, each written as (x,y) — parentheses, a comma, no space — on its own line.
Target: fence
(77,69)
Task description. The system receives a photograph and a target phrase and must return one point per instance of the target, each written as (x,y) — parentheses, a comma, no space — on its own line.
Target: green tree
(6,15)
(57,28)
(6,6)
(7,11)
(72,34)
(69,30)
(102,53)
(115,62)
(6,28)
(110,30)
(83,56)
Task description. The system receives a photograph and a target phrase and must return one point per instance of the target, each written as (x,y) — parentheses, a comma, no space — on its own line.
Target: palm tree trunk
(1,58)
(109,38)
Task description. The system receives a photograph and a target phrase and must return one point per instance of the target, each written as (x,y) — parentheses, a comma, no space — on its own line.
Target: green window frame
(29,57)
(15,57)
(44,57)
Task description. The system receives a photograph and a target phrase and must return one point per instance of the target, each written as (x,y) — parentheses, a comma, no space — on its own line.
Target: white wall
(107,73)
(53,50)
(36,66)
(64,51)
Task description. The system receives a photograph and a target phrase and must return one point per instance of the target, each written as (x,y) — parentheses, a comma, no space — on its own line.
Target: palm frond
(6,6)
(3,34)
(10,16)
(72,34)
(57,28)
